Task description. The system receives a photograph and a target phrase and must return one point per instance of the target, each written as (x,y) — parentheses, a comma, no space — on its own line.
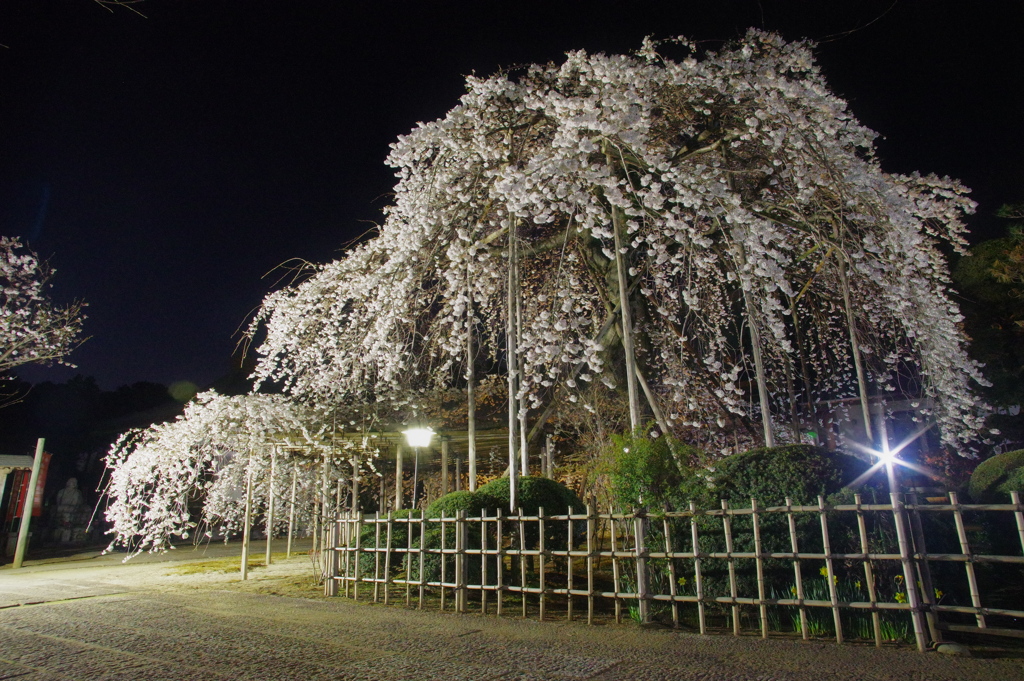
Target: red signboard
(19,491)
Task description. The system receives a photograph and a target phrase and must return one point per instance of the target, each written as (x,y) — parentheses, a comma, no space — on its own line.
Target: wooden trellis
(647,558)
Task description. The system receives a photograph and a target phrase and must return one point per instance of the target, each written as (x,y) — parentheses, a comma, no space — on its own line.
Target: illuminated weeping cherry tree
(720,224)
(215,456)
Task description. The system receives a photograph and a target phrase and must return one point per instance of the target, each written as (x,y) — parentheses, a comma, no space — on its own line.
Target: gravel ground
(89,617)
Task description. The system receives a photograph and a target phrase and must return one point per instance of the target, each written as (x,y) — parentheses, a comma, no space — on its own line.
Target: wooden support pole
(30,500)
(291,508)
(470,389)
(270,504)
(399,492)
(355,484)
(247,528)
(444,465)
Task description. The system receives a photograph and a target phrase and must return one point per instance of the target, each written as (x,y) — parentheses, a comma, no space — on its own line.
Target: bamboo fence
(672,564)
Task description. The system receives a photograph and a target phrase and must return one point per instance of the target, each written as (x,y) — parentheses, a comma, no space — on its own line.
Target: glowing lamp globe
(418,437)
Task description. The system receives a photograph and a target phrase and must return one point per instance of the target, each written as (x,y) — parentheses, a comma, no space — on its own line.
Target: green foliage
(993,312)
(995,478)
(534,493)
(453,502)
(644,472)
(770,474)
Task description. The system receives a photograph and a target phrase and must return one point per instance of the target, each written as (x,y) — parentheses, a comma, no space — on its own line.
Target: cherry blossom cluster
(187,478)
(32,328)
(752,211)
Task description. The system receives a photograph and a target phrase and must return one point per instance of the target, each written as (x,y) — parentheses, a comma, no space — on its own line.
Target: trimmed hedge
(770,474)
(534,493)
(994,479)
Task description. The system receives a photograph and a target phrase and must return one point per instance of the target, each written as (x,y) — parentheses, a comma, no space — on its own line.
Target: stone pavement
(128,622)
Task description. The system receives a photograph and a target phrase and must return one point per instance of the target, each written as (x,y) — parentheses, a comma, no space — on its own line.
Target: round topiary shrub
(453,502)
(994,479)
(770,474)
(534,493)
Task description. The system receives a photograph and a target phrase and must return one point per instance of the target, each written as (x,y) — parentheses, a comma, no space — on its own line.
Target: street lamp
(417,437)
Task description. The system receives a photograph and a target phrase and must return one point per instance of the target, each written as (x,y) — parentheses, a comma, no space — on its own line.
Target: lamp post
(417,437)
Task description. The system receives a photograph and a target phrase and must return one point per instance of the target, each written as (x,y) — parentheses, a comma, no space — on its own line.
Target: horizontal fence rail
(861,570)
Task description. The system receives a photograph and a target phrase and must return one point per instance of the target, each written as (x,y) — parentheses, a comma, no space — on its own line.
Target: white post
(470,392)
(291,509)
(549,455)
(625,315)
(247,529)
(398,477)
(444,466)
(270,502)
(512,364)
(30,499)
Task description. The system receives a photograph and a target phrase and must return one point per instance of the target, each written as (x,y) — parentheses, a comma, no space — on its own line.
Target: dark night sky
(165,164)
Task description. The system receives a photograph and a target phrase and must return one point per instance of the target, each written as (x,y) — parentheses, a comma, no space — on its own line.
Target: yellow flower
(901,597)
(823,571)
(857,584)
(792,590)
(682,581)
(938,595)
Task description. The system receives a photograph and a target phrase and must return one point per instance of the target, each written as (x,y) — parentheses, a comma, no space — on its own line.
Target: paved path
(135,622)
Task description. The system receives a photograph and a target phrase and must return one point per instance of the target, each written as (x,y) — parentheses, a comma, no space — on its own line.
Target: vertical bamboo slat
(408,559)
(500,575)
(869,574)
(483,562)
(924,574)
(673,579)
(908,571)
(444,560)
(376,557)
(640,543)
(1019,515)
(522,560)
(387,558)
(541,562)
(830,573)
(698,578)
(615,571)
(460,561)
(759,561)
(358,538)
(423,557)
(727,528)
(591,531)
(965,548)
(797,575)
(568,562)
